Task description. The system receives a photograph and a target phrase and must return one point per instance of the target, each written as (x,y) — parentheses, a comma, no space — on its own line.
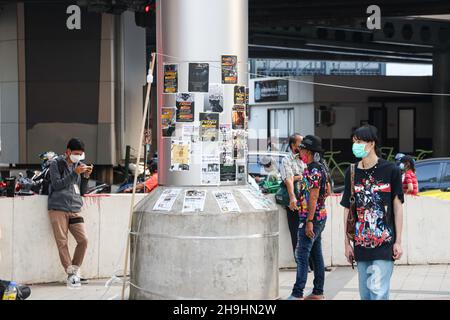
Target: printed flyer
(229,69)
(168,121)
(226,201)
(185,107)
(239,95)
(214,98)
(239,144)
(257,201)
(180,155)
(198,77)
(194,201)
(209,126)
(166,200)
(210,173)
(241,173)
(238,117)
(170,78)
(227,173)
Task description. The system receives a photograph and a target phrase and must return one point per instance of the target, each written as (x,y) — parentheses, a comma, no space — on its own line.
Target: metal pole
(125,269)
(127,161)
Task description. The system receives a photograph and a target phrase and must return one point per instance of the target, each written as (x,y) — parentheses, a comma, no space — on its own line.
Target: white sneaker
(73,281)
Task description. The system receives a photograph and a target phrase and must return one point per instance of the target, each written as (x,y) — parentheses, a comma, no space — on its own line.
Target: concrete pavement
(423,282)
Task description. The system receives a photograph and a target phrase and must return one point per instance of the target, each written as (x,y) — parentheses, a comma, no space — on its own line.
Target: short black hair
(410,161)
(367,133)
(75,144)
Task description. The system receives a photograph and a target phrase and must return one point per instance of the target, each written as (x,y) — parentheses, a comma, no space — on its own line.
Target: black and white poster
(239,144)
(226,145)
(229,69)
(185,107)
(170,78)
(214,98)
(240,173)
(198,77)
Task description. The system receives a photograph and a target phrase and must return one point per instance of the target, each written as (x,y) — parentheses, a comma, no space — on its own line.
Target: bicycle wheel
(338,173)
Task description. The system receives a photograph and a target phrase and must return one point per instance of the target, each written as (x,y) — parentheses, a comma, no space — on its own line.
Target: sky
(407,69)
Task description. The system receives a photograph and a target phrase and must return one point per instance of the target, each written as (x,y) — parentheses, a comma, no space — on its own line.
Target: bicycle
(388,153)
(337,170)
(422,154)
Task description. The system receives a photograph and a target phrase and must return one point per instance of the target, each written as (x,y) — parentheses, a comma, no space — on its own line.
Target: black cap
(312,143)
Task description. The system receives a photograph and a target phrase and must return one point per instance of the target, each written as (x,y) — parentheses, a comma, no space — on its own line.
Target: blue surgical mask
(359,150)
(402,166)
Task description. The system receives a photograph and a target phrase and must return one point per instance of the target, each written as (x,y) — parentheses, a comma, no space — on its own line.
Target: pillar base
(204,255)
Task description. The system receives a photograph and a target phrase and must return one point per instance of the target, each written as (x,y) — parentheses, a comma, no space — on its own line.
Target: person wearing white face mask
(68,176)
(373,197)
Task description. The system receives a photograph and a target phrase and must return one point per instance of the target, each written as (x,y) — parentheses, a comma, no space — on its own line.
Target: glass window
(447,173)
(428,173)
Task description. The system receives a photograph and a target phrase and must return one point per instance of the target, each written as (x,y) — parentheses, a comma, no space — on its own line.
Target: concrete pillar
(9,84)
(441,104)
(198,31)
(214,253)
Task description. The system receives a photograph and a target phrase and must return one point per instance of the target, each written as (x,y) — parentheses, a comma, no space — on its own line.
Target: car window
(255,167)
(428,173)
(446,177)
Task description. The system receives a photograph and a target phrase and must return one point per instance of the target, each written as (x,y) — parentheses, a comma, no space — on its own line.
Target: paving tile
(408,283)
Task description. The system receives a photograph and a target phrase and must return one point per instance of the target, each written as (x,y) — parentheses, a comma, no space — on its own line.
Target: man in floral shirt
(313,216)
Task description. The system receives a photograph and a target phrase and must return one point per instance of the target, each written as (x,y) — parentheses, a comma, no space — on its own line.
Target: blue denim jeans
(375,279)
(307,247)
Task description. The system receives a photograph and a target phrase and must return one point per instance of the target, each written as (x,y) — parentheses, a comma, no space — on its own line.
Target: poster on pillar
(226,145)
(258,201)
(239,144)
(226,201)
(198,77)
(239,94)
(170,78)
(241,172)
(238,117)
(210,163)
(228,173)
(209,126)
(229,69)
(214,98)
(194,200)
(185,107)
(168,121)
(166,200)
(180,155)
(247,113)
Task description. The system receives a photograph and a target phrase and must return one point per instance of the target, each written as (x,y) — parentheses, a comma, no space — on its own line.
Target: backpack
(46,182)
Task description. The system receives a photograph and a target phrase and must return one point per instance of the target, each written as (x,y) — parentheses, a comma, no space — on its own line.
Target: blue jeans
(307,247)
(375,279)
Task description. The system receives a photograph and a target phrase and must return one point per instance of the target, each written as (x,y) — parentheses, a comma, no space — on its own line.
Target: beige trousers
(62,222)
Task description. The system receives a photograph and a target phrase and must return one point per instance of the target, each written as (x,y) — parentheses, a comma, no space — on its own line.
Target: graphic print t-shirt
(313,178)
(375,191)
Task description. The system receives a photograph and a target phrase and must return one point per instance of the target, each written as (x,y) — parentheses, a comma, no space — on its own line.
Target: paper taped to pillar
(170,78)
(213,243)
(211,63)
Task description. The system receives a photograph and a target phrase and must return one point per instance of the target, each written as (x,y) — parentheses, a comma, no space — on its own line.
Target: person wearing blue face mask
(377,208)
(68,176)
